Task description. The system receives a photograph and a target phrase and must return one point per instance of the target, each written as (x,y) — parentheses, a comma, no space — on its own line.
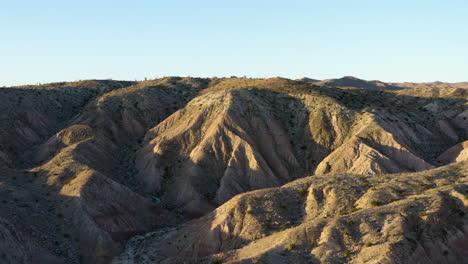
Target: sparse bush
(425,186)
(302,191)
(375,203)
(291,246)
(216,261)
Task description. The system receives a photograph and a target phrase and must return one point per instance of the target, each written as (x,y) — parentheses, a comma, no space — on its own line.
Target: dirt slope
(85,166)
(340,218)
(230,140)
(456,153)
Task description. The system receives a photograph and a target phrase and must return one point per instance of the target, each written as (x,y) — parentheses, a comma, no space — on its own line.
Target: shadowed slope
(456,153)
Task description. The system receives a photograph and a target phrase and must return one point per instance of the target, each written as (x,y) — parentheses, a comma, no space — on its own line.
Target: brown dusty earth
(234,170)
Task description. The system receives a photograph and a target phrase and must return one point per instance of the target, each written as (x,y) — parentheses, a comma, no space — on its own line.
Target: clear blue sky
(410,40)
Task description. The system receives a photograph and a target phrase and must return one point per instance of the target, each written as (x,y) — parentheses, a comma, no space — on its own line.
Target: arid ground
(234,170)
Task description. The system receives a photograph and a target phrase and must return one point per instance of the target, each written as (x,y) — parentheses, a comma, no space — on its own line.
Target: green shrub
(425,186)
(302,191)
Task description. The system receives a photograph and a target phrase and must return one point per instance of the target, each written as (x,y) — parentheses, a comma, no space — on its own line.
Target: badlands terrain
(234,170)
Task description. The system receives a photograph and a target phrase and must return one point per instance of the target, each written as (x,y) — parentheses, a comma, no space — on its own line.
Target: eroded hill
(85,166)
(341,218)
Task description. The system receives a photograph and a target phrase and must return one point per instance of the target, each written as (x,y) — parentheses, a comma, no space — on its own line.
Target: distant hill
(463,85)
(349,81)
(353,82)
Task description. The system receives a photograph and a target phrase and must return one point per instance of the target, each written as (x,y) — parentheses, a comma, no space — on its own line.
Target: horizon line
(228,77)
